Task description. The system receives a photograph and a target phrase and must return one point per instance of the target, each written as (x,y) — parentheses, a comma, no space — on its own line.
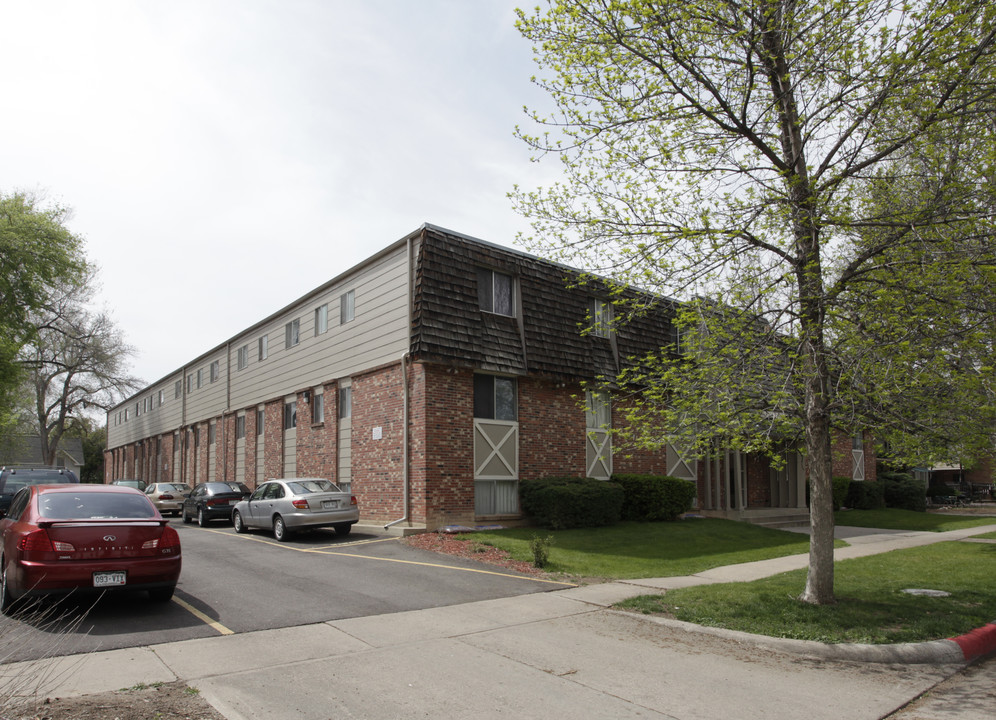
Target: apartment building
(428,380)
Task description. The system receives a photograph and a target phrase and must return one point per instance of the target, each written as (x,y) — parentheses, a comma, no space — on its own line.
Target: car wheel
(201,517)
(161,594)
(342,529)
(240,527)
(280,531)
(186,518)
(6,600)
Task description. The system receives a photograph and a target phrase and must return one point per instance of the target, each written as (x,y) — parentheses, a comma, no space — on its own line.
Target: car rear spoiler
(49,522)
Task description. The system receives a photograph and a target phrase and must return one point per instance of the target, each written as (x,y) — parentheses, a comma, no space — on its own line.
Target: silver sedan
(290,504)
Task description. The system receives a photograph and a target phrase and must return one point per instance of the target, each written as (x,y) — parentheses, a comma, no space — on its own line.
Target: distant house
(429,380)
(27,450)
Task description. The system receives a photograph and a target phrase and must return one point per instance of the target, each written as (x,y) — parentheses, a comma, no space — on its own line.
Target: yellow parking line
(324,551)
(202,617)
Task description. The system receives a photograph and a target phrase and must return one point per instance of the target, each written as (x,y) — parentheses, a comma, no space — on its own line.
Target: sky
(225,157)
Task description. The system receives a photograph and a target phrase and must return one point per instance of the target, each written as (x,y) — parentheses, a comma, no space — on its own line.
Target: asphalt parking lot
(238,583)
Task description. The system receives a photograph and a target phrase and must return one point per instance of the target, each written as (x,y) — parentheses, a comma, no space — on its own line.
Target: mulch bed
(464,546)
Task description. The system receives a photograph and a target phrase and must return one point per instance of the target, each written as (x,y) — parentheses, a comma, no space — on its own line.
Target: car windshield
(94,505)
(303,487)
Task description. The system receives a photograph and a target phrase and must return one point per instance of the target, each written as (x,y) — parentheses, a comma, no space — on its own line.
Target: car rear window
(18,480)
(311,486)
(94,505)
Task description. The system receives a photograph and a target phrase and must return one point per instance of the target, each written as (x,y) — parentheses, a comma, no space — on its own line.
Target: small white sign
(378,432)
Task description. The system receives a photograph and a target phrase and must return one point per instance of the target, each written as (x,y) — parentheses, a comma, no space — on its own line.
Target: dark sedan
(213,501)
(59,539)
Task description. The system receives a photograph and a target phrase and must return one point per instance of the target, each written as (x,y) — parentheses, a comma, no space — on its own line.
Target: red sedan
(63,538)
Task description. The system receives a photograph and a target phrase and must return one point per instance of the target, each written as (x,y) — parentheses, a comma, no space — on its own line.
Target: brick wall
(551,429)
(317,442)
(273,439)
(378,443)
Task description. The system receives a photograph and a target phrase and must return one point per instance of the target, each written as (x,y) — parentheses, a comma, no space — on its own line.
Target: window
(126,416)
(290,415)
(162,397)
(321,319)
(677,338)
(190,383)
(292,333)
(215,370)
(138,409)
(177,389)
(240,427)
(200,377)
(345,402)
(259,422)
(601,318)
(347,307)
(317,408)
(212,433)
(494,291)
(263,346)
(495,398)
(243,357)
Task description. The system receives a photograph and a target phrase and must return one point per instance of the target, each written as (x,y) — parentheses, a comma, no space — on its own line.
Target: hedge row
(892,489)
(573,502)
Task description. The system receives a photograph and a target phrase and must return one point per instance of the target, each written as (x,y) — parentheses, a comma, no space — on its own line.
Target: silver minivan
(290,504)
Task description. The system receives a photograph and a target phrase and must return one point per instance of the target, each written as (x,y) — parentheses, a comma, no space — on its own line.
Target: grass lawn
(644,550)
(871,607)
(893,519)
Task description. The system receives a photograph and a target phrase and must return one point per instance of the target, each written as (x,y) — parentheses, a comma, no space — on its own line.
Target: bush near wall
(571,502)
(865,495)
(841,486)
(651,498)
(903,491)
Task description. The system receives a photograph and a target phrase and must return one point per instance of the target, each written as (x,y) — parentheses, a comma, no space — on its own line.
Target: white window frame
(347,307)
(321,319)
(292,333)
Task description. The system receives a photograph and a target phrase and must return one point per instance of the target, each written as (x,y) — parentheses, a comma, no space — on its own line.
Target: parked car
(167,497)
(213,501)
(66,538)
(290,504)
(13,478)
(137,484)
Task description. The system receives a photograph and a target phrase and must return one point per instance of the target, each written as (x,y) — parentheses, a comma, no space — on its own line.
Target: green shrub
(540,547)
(571,502)
(866,495)
(841,485)
(649,498)
(938,488)
(903,492)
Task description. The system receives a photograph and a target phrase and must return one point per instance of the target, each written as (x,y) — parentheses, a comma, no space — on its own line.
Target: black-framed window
(495,398)
(494,291)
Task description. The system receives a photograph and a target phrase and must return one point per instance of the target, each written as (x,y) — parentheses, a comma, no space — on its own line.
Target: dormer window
(494,291)
(601,318)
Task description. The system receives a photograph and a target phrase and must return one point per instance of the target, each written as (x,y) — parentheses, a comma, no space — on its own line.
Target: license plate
(109,579)
(330,504)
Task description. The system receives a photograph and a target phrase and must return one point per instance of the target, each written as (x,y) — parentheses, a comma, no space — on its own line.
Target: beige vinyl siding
(208,401)
(158,420)
(378,335)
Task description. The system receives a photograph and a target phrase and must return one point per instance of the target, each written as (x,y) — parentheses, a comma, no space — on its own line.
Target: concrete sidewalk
(561,654)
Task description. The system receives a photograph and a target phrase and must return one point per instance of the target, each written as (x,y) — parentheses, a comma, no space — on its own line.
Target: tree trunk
(819,579)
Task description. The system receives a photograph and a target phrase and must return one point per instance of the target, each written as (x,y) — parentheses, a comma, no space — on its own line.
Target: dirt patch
(986,509)
(169,701)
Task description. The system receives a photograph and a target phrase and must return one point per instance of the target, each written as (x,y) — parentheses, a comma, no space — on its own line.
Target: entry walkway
(561,654)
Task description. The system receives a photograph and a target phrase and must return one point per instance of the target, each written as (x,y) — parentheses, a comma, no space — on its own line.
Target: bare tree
(77,364)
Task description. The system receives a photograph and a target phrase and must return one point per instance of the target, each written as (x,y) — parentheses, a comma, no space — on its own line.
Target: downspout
(406,480)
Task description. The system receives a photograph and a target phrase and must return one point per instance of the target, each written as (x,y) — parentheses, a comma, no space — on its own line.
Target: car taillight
(36,541)
(352,500)
(300,504)
(165,497)
(216,501)
(169,539)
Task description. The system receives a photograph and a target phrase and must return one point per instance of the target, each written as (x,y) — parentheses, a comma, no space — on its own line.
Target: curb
(961,649)
(977,643)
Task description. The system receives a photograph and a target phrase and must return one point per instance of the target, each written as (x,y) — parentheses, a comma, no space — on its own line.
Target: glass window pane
(505,399)
(484,396)
(503,294)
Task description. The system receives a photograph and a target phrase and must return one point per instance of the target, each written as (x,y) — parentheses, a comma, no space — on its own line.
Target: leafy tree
(797,173)
(76,365)
(38,255)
